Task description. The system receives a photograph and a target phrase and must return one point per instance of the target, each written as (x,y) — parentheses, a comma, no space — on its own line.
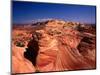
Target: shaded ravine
(32,51)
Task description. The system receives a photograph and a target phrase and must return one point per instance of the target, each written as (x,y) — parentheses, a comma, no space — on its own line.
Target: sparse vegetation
(20,44)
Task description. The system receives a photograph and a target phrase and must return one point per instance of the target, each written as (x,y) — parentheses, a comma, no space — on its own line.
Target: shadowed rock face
(32,50)
(61,46)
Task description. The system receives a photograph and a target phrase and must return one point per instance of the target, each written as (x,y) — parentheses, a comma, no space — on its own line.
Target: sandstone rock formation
(60,52)
(19,63)
(60,46)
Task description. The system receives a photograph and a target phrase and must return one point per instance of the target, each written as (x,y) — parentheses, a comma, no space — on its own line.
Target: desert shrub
(54,32)
(37,71)
(20,44)
(20,34)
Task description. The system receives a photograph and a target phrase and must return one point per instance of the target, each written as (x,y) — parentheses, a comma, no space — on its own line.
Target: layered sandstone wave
(19,63)
(59,46)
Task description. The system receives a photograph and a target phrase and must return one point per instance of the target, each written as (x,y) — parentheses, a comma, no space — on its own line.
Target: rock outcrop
(60,46)
(19,63)
(61,50)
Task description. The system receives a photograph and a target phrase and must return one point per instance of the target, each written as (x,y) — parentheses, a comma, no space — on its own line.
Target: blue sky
(25,12)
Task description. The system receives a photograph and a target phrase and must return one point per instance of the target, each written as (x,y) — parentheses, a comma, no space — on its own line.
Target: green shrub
(20,44)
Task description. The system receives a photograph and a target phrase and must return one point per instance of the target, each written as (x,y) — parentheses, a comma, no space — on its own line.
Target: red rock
(19,63)
(60,49)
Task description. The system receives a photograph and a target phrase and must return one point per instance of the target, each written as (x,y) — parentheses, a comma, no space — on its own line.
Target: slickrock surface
(60,46)
(19,63)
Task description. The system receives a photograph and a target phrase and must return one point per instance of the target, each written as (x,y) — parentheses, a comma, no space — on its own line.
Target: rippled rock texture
(58,46)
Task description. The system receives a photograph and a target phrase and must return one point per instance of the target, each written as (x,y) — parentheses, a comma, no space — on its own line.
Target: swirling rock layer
(58,46)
